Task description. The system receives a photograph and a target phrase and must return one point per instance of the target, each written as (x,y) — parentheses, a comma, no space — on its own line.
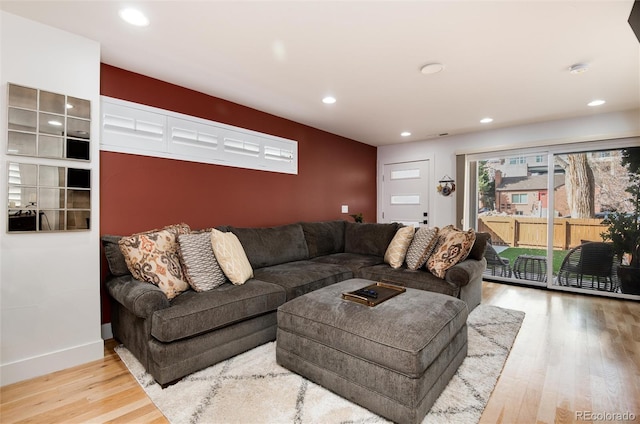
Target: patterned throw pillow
(421,247)
(152,257)
(231,257)
(397,249)
(199,264)
(453,246)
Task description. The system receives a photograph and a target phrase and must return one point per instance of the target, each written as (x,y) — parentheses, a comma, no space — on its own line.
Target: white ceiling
(507,60)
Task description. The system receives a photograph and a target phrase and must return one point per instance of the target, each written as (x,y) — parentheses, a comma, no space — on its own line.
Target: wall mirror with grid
(48,125)
(53,191)
(48,198)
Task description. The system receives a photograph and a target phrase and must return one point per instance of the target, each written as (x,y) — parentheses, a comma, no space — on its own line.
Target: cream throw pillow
(231,256)
(397,249)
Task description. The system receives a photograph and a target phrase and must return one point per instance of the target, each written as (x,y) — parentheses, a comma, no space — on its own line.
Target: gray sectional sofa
(173,338)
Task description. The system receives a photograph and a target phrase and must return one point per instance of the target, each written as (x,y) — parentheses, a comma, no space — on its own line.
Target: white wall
(49,282)
(442,151)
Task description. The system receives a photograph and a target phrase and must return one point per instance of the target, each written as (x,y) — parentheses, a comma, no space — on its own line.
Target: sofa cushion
(324,238)
(404,277)
(199,264)
(194,313)
(353,261)
(301,277)
(115,258)
(479,246)
(397,250)
(231,257)
(138,297)
(272,245)
(368,238)
(466,271)
(169,362)
(421,247)
(152,257)
(453,246)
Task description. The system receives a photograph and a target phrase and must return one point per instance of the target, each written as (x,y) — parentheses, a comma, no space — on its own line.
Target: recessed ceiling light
(329,100)
(578,68)
(432,68)
(134,17)
(55,123)
(69,106)
(596,103)
(486,120)
(405,134)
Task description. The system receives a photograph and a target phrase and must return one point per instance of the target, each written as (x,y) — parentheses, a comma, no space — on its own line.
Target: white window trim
(128,127)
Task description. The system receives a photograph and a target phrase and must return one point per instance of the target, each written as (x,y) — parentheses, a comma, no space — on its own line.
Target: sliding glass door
(547,211)
(512,205)
(596,186)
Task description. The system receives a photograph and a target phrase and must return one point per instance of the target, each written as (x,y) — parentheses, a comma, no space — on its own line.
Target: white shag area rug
(253,388)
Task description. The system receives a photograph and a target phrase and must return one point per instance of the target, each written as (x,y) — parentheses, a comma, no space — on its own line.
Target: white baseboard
(106,331)
(50,362)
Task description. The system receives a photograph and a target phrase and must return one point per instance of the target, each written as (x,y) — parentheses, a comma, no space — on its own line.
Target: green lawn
(513,252)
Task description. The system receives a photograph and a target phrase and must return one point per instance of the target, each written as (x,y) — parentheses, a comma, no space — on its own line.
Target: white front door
(405,192)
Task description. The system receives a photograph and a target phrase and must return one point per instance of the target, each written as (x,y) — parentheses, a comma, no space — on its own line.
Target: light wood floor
(574,353)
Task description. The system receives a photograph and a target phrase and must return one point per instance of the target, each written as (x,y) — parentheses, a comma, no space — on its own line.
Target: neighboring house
(523,165)
(528,195)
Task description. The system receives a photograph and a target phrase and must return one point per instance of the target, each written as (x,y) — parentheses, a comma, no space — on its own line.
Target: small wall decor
(357,217)
(446,186)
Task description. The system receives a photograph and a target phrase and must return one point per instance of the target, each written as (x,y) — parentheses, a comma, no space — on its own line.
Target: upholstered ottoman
(393,359)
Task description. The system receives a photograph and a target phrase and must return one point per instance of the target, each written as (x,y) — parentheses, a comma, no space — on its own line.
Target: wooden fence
(532,232)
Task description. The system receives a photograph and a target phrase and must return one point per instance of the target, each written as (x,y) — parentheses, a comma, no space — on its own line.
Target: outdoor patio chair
(496,264)
(591,262)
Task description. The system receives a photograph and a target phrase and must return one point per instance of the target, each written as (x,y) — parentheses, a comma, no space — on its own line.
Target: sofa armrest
(468,270)
(140,298)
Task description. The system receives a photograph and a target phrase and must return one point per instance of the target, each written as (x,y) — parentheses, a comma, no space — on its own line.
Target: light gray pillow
(421,247)
(199,264)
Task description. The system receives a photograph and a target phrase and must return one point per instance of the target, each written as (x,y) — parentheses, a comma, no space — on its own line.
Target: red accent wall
(139,193)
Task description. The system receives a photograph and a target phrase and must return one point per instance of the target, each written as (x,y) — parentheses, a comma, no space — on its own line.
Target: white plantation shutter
(133,128)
